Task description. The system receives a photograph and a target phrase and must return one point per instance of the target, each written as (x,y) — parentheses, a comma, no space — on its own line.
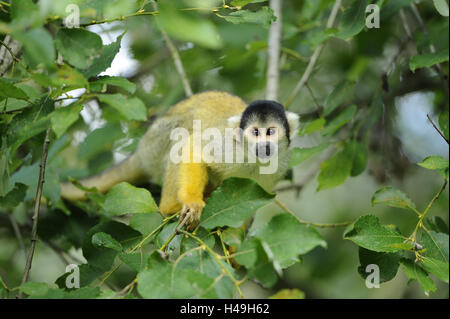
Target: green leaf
(102,62)
(287,239)
(367,232)
(442,7)
(288,294)
(388,263)
(253,256)
(131,108)
(101,258)
(186,28)
(427,60)
(78,46)
(343,118)
(63,117)
(8,90)
(102,239)
(263,271)
(233,236)
(99,140)
(343,91)
(436,267)
(335,170)
(145,223)
(232,203)
(353,19)
(241,3)
(392,197)
(4,171)
(247,253)
(28,175)
(414,272)
(299,155)
(38,47)
(136,261)
(125,198)
(264,16)
(99,85)
(83,293)
(14,197)
(173,248)
(436,245)
(313,126)
(391,9)
(69,78)
(359,157)
(161,280)
(34,288)
(434,162)
(23,9)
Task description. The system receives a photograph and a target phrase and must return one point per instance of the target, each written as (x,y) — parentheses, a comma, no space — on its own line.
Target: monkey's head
(266,128)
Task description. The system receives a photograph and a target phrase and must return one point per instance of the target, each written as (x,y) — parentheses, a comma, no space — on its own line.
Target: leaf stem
(314,57)
(218,259)
(287,210)
(437,129)
(37,206)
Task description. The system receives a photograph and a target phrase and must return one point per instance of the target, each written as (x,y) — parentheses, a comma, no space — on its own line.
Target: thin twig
(314,57)
(287,210)
(8,50)
(422,216)
(437,129)
(273,50)
(18,234)
(175,56)
(318,106)
(121,18)
(37,206)
(406,25)
(218,259)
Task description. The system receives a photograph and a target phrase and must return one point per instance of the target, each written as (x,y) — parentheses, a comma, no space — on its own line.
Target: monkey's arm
(193,178)
(184,186)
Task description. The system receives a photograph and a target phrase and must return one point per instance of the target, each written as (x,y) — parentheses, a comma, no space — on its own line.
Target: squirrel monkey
(264,128)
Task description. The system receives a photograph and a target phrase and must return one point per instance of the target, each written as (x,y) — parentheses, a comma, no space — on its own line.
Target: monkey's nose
(263,150)
(268,149)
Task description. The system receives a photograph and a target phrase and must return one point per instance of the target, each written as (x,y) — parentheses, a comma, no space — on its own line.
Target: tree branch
(273,50)
(176,57)
(314,57)
(8,51)
(437,129)
(319,225)
(37,205)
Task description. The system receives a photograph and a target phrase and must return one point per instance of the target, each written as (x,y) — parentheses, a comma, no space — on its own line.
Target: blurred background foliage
(223,46)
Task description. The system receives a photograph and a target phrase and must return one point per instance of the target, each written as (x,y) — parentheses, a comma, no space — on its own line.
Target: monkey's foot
(190,215)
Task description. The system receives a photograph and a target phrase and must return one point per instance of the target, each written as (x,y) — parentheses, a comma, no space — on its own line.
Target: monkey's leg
(169,203)
(192,180)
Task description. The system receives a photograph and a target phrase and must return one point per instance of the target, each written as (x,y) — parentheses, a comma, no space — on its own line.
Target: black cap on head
(264,110)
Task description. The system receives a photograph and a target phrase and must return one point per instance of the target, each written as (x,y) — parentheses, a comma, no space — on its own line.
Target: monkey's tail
(129,170)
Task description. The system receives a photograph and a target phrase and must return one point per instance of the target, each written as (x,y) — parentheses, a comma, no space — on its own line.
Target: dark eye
(255,132)
(270,131)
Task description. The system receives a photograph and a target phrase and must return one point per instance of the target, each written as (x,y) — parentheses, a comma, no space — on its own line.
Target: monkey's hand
(190,214)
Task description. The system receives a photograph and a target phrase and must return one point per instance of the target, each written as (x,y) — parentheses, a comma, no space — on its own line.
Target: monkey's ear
(234,121)
(294,121)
